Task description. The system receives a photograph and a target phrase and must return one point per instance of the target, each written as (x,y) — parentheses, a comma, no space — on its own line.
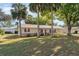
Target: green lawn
(43,46)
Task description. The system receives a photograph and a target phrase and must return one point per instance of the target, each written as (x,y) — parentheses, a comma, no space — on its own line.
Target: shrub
(1,32)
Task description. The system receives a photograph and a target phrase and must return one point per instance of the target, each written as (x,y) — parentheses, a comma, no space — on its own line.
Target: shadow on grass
(13,37)
(43,46)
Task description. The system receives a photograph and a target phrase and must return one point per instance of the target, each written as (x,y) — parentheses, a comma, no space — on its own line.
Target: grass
(12,45)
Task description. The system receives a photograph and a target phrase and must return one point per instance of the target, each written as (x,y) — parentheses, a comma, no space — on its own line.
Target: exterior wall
(34,31)
(60,31)
(45,31)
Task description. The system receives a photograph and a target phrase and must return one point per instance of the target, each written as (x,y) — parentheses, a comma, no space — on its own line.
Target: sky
(6,7)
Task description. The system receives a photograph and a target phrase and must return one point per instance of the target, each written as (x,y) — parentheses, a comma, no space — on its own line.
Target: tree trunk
(20,32)
(38,34)
(69,30)
(51,23)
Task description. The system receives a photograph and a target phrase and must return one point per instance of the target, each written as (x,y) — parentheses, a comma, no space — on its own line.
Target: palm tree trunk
(38,34)
(51,23)
(20,33)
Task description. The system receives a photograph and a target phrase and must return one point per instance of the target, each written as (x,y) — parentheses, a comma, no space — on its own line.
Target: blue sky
(6,7)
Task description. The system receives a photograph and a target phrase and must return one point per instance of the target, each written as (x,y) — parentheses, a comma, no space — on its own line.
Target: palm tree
(35,7)
(51,7)
(19,13)
(42,7)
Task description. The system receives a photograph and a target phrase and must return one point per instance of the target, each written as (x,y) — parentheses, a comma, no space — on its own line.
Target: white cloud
(6,10)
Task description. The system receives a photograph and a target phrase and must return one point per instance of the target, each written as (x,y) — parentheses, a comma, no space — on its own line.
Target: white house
(32,29)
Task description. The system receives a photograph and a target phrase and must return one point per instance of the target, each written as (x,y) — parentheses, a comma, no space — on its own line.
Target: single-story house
(31,29)
(44,29)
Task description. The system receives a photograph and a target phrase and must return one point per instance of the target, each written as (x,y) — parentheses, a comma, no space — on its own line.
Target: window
(28,29)
(25,30)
